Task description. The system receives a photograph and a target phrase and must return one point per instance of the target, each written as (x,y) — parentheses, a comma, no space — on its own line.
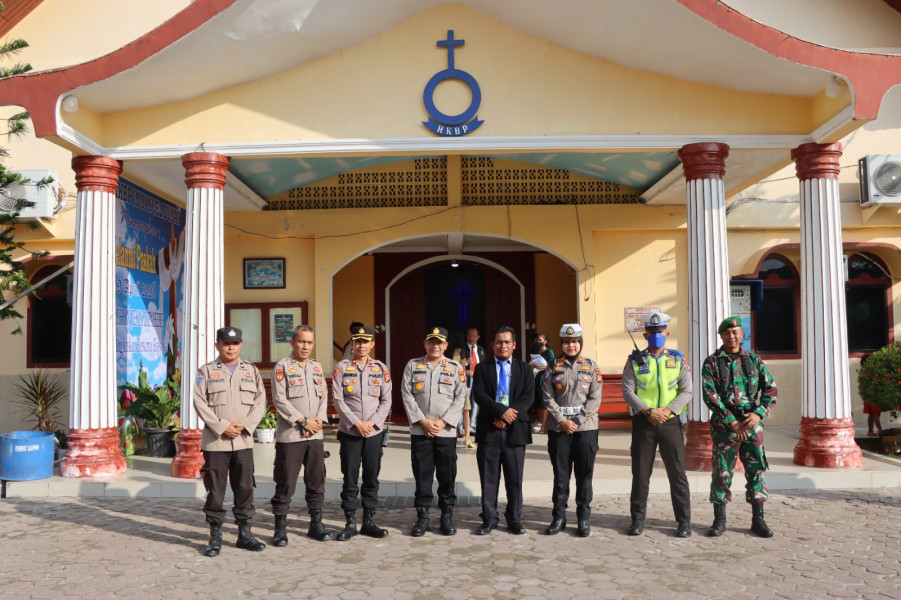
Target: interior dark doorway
(469,295)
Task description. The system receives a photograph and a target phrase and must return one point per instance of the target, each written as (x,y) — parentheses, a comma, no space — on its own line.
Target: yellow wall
(353,294)
(525,83)
(555,297)
(639,268)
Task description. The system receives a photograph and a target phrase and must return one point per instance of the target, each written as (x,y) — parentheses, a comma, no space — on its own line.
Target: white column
(704,166)
(93,423)
(827,430)
(204,303)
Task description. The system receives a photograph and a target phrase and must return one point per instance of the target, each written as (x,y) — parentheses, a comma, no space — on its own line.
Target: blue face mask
(656,340)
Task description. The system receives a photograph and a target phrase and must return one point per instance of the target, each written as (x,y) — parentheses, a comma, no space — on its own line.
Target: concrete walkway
(827,544)
(149,477)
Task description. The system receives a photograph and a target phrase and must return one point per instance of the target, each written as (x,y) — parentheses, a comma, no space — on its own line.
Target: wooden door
(503,306)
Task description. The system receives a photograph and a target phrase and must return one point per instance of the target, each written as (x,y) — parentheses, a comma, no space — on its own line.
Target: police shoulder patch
(279,374)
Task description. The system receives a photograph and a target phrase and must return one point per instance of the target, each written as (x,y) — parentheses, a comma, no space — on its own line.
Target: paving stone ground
(828,544)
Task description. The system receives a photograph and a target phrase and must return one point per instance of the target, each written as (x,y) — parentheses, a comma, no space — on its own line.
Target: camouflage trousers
(752,456)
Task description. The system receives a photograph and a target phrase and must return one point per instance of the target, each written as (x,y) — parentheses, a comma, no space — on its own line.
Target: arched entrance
(409,284)
(456,294)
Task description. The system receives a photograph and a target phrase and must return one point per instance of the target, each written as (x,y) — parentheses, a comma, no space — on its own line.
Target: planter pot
(26,455)
(891,441)
(265,436)
(160,442)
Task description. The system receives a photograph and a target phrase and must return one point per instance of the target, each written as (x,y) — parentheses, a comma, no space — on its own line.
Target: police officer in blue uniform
(657,387)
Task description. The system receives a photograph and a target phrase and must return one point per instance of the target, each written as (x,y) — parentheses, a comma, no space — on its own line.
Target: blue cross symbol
(450,43)
(462,294)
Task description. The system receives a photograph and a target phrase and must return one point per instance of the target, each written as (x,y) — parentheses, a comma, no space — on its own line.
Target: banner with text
(150,248)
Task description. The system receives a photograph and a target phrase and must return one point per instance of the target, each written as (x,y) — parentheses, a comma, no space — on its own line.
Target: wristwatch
(303,424)
(648,412)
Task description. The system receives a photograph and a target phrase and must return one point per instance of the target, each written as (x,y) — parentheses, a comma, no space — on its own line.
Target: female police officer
(572,389)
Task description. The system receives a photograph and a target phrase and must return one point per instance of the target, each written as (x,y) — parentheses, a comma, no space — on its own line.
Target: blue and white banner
(150,249)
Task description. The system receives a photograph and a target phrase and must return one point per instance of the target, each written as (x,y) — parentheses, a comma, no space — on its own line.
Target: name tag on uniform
(644,369)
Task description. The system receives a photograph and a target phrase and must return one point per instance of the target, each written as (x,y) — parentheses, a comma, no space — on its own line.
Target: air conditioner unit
(46,199)
(880,179)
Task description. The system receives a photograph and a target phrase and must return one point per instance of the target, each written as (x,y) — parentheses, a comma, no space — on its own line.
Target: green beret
(728,323)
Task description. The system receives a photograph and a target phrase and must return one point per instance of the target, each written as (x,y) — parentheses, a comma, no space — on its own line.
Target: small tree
(12,270)
(879,380)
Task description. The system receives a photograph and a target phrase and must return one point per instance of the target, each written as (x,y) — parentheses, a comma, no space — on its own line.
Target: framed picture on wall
(264,273)
(267,328)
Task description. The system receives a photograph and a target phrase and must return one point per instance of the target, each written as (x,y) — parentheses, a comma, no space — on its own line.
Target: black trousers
(431,457)
(289,458)
(356,451)
(220,468)
(493,455)
(645,439)
(568,452)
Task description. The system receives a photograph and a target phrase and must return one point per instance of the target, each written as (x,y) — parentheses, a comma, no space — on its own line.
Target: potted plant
(40,393)
(157,407)
(879,384)
(266,428)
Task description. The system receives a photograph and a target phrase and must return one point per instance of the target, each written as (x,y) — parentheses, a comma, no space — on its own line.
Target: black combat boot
(719,521)
(584,528)
(637,527)
(280,537)
(583,513)
(558,522)
(246,539)
(317,531)
(350,528)
(422,522)
(369,526)
(447,521)
(215,544)
(758,525)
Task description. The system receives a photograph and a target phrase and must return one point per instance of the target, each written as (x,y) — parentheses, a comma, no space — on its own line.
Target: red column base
(189,460)
(698,447)
(93,453)
(828,444)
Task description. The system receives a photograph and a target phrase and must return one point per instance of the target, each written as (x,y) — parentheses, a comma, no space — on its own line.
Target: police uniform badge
(279,374)
(597,374)
(462,375)
(670,363)
(387,375)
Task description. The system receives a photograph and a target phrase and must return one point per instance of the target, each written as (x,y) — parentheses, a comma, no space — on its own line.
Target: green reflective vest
(657,384)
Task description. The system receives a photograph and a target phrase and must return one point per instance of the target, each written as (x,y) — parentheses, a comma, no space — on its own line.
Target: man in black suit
(503,388)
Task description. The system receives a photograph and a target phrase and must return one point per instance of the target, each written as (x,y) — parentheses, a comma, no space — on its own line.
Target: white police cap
(656,319)
(570,331)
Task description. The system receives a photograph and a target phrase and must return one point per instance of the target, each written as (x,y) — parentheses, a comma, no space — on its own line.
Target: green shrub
(879,380)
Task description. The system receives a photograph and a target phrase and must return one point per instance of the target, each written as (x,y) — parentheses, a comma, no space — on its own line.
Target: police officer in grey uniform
(434,392)
(300,399)
(572,389)
(361,389)
(230,398)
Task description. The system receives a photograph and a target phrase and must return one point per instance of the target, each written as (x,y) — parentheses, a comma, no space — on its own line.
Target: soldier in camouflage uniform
(738,389)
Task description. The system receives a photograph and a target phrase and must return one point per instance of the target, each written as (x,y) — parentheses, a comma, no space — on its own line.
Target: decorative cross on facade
(462,294)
